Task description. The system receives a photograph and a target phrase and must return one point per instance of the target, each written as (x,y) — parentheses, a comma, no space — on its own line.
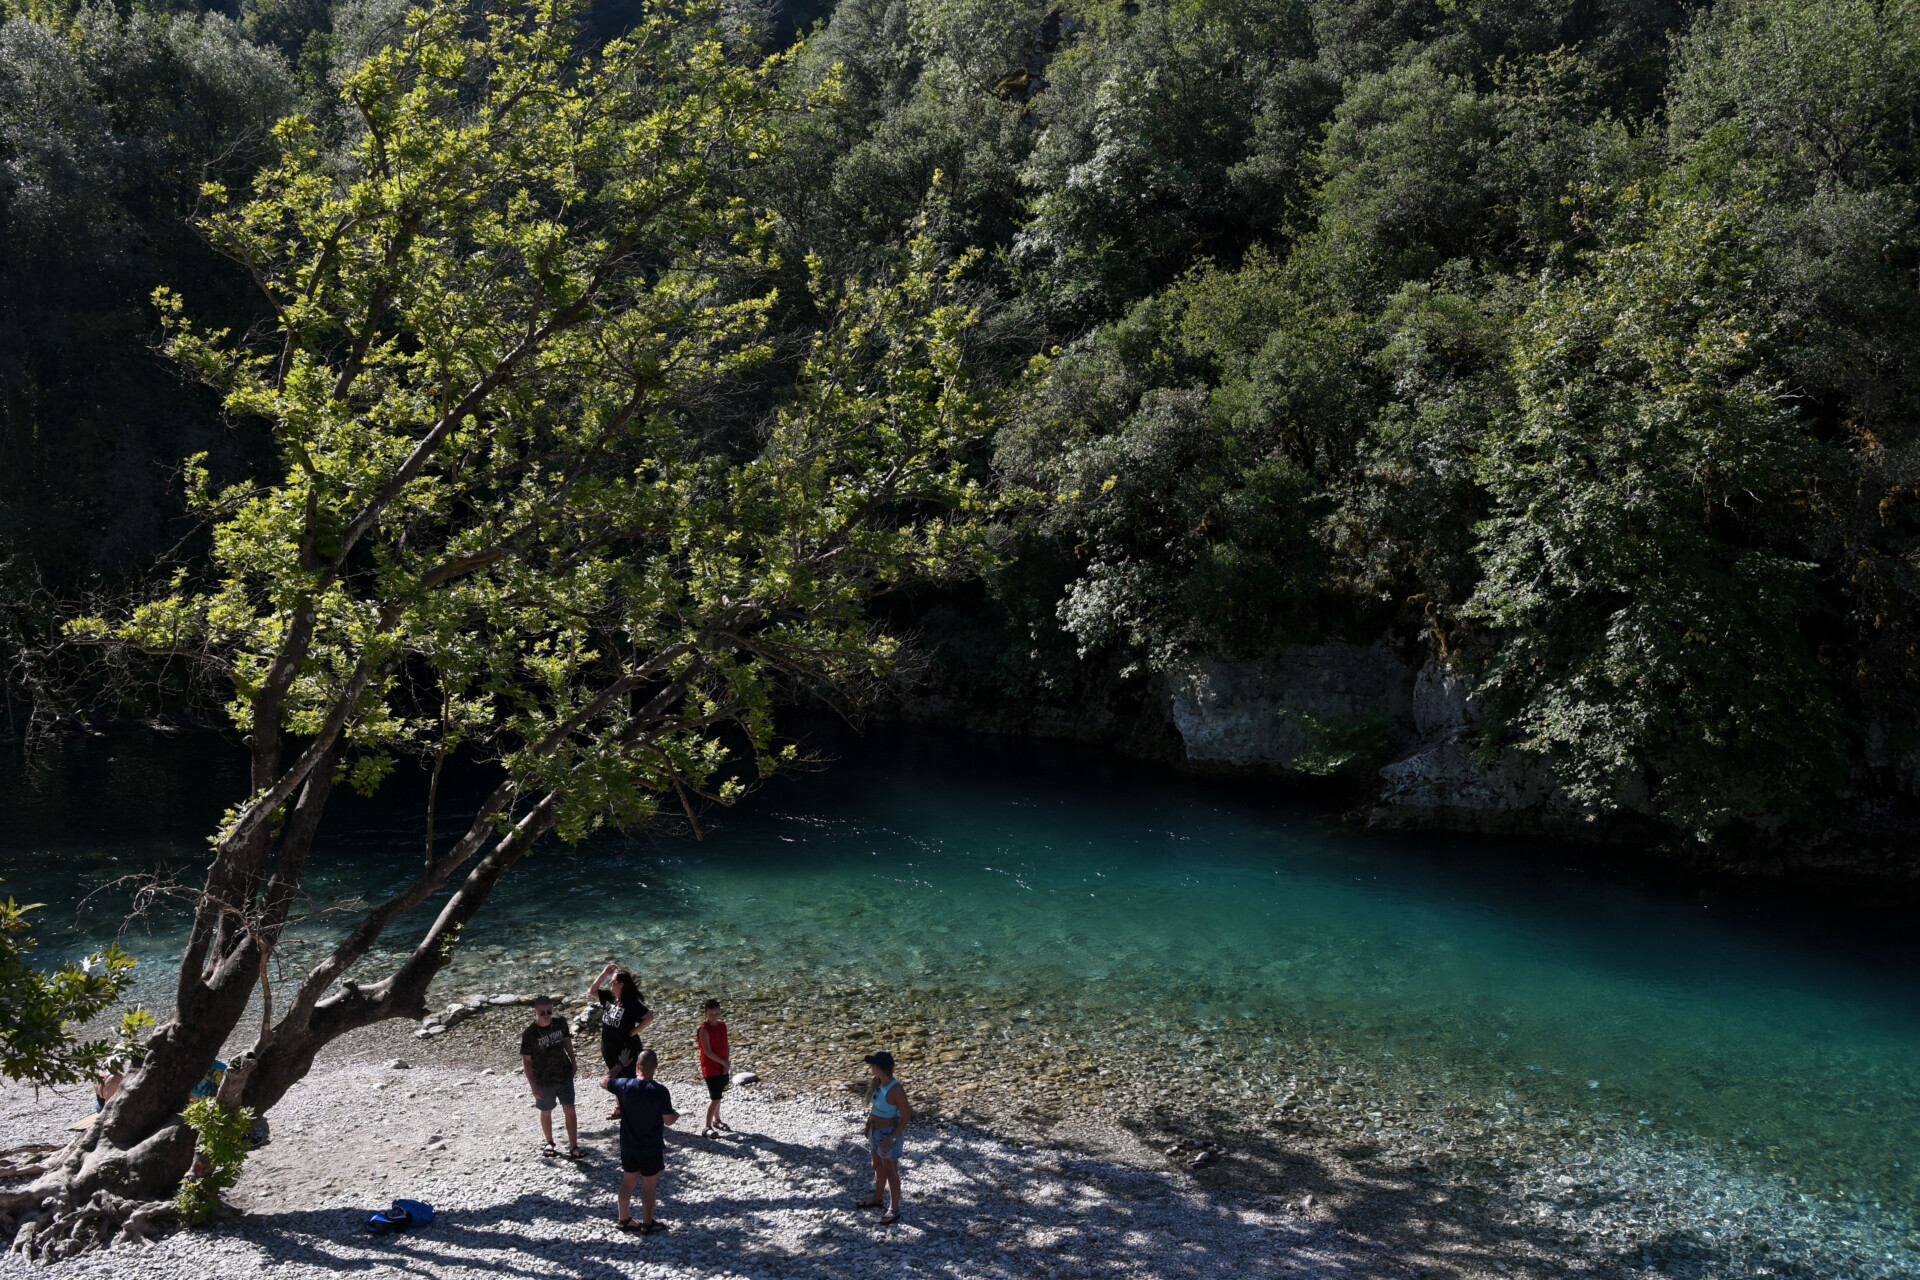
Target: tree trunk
(138,1151)
(108,1182)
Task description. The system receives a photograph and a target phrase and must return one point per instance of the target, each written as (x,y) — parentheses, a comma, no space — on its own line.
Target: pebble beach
(773,1199)
(1119,1167)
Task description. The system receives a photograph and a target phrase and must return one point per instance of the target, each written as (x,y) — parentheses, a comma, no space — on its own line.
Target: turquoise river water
(1781,1030)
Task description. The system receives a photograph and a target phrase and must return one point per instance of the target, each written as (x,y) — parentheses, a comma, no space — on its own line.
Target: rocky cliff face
(1442,783)
(1293,711)
(1318,709)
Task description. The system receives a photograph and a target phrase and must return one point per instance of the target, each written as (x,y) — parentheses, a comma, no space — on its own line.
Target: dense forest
(1570,345)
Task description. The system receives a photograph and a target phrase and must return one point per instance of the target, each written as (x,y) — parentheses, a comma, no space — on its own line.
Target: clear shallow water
(1103,894)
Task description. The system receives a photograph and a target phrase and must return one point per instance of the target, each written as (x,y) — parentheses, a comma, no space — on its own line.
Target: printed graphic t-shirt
(618,1026)
(644,1104)
(548,1048)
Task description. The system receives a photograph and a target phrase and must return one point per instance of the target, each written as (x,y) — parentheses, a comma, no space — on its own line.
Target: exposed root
(18,1162)
(56,1230)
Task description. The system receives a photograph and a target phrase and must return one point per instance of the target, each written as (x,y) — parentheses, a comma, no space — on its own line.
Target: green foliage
(1146,158)
(1811,102)
(222,1150)
(1245,462)
(109,120)
(1324,309)
(487,324)
(1340,742)
(1640,559)
(1812,92)
(135,1026)
(39,1009)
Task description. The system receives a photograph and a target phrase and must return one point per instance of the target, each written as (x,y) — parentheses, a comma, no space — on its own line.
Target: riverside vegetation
(597,380)
(1566,344)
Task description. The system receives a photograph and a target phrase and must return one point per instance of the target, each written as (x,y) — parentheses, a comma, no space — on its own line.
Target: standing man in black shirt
(646,1109)
(546,1055)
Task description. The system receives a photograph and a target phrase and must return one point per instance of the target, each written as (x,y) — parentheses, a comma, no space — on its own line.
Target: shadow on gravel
(1458,1220)
(969,1213)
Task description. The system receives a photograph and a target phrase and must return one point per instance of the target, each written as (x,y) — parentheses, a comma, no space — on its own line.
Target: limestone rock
(1278,712)
(1444,786)
(1442,702)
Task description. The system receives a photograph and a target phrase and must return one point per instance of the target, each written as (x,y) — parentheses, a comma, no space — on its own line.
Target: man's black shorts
(645,1163)
(716,1085)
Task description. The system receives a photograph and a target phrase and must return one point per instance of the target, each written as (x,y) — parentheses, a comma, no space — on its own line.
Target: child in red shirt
(714,1066)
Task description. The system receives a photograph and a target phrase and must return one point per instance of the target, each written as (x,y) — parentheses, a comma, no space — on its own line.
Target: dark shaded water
(1752,1020)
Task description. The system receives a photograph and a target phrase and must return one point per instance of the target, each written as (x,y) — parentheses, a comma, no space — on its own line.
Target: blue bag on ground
(418,1210)
(405,1215)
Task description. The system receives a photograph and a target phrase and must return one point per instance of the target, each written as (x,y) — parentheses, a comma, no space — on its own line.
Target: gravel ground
(996,1186)
(774,1200)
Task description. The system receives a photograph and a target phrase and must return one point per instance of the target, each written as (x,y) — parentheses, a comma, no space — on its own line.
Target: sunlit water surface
(1101,891)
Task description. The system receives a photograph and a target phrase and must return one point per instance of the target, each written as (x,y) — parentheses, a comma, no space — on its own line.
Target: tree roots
(57,1230)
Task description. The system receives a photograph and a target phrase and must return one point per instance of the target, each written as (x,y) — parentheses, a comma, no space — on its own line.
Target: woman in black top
(622,1018)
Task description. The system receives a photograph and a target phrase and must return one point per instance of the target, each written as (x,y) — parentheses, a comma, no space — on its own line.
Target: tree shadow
(977,1206)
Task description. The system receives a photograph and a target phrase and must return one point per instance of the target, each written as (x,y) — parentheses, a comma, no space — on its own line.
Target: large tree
(503,521)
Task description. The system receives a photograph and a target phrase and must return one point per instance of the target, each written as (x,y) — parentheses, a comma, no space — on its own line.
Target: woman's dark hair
(629,989)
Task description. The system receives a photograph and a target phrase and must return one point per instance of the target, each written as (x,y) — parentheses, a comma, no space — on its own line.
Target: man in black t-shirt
(546,1055)
(646,1109)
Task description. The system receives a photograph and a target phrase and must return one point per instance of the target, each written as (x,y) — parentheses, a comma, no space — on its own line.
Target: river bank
(772,1200)
(1096,1170)
(1456,1050)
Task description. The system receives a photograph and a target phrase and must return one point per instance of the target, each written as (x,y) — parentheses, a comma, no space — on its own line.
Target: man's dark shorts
(645,1163)
(716,1085)
(561,1092)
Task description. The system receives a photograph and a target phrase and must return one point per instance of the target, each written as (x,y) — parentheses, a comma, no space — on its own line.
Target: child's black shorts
(645,1163)
(716,1085)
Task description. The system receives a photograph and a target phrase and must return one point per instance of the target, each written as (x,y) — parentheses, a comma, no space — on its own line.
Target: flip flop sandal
(628,1224)
(723,1126)
(576,1154)
(871,1202)
(653,1228)
(890,1217)
(548,1149)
